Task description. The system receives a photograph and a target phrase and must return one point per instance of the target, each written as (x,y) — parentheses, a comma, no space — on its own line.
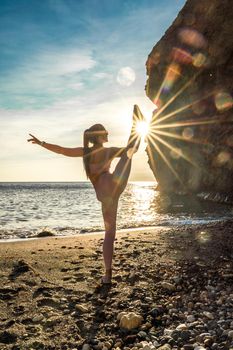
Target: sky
(66,65)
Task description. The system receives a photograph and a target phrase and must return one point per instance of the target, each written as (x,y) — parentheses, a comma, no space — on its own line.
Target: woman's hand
(34,140)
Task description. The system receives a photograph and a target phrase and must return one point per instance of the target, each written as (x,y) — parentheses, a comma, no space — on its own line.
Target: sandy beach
(178,279)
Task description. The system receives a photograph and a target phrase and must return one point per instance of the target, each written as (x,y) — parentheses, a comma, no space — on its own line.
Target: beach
(179,280)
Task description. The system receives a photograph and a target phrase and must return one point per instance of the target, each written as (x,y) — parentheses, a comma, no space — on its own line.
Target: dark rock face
(190,80)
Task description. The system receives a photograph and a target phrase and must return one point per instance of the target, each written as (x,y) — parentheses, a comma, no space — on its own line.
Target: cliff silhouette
(190,80)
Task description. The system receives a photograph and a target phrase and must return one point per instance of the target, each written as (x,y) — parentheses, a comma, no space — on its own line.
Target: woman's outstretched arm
(69,152)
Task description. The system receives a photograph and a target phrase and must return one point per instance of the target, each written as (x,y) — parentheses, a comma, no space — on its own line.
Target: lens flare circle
(223,101)
(223,157)
(126,76)
(192,38)
(199,60)
(176,153)
(188,133)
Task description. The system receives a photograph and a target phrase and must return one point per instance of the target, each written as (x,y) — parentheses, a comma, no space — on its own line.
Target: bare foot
(107,278)
(137,114)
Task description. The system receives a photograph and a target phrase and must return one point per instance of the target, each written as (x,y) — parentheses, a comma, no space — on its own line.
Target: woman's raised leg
(121,174)
(123,167)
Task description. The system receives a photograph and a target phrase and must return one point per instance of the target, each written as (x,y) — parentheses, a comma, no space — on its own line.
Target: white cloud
(59,63)
(51,71)
(102,75)
(126,76)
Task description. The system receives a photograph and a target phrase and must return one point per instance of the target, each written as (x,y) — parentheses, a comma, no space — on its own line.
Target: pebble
(86,347)
(118,344)
(230,334)
(209,315)
(188,347)
(168,332)
(142,334)
(177,279)
(165,347)
(146,325)
(208,341)
(37,318)
(52,321)
(129,320)
(81,308)
(181,327)
(156,343)
(190,305)
(146,346)
(201,337)
(168,286)
(108,345)
(190,318)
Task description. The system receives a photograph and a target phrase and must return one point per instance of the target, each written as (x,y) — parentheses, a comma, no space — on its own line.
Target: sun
(142,128)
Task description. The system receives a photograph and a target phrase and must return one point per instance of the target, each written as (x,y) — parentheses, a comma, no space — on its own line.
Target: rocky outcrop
(190,80)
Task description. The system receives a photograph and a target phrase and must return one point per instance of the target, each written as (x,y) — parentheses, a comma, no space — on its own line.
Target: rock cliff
(190,80)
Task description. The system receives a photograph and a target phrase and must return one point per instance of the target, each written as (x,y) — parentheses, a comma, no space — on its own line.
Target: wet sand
(179,279)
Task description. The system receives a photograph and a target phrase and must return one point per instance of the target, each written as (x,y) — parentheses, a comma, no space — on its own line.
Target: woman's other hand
(34,140)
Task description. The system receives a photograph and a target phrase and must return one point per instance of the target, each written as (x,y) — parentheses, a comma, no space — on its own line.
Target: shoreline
(120,230)
(178,279)
(91,233)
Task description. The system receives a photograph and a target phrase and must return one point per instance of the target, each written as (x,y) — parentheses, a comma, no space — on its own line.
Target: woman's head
(96,134)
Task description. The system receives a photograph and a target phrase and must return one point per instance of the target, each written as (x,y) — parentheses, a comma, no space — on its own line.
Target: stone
(201,337)
(190,305)
(86,347)
(142,335)
(146,345)
(165,347)
(45,233)
(168,332)
(208,342)
(52,321)
(209,315)
(190,318)
(108,345)
(81,308)
(37,318)
(188,346)
(181,327)
(156,343)
(129,320)
(230,334)
(168,286)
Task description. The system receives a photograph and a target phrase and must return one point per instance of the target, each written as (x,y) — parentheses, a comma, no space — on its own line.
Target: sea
(71,208)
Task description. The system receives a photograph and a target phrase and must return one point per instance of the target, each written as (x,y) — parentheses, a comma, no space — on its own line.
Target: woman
(108,186)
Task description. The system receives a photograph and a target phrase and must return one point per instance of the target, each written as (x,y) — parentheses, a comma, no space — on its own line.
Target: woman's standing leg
(118,183)
(109,210)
